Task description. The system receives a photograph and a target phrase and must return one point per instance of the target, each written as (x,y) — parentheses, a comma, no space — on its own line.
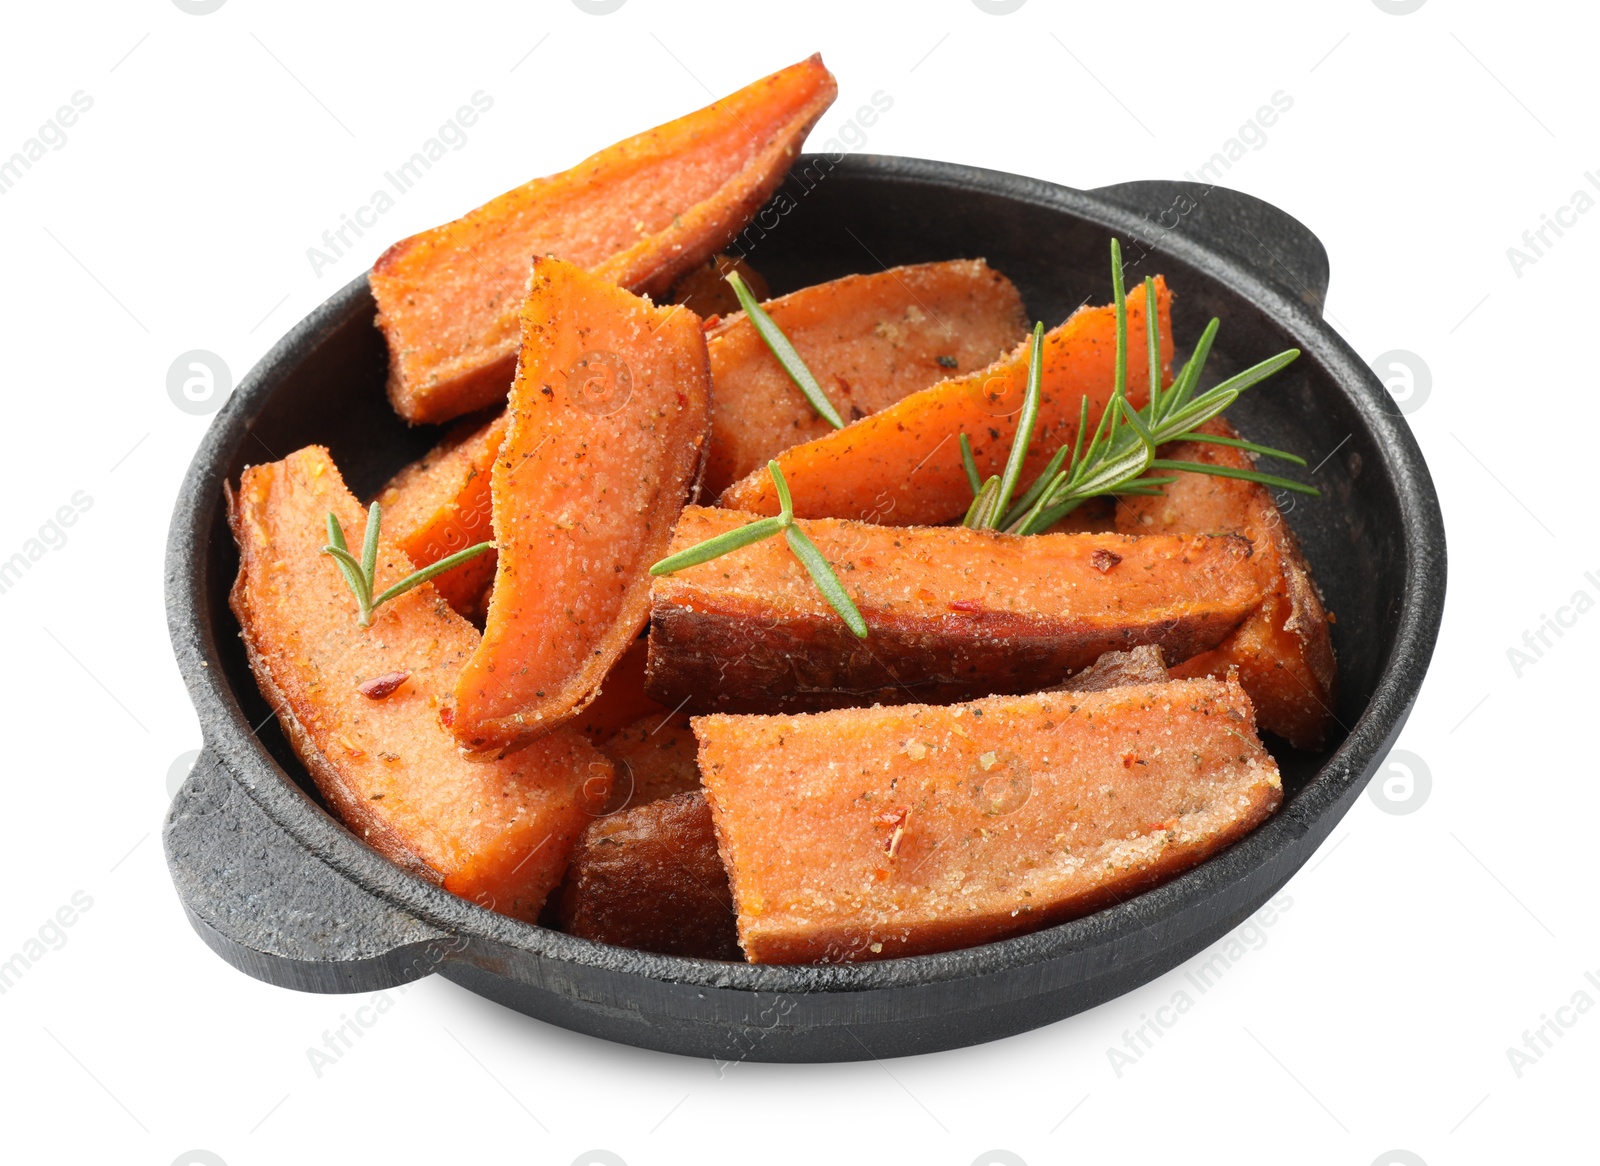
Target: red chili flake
(447,717)
(966,605)
(1127,760)
(1103,560)
(710,322)
(381,686)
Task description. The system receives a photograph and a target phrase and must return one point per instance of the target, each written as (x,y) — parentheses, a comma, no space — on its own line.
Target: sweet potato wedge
(655,758)
(704,290)
(650,878)
(498,832)
(953,613)
(1283,651)
(902,465)
(869,340)
(440,504)
(621,700)
(639,213)
(869,833)
(610,416)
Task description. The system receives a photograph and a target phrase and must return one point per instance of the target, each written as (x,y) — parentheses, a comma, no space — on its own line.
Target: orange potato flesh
(639,214)
(952,613)
(650,878)
(1283,652)
(440,504)
(622,698)
(610,416)
(655,758)
(706,292)
(868,339)
(497,832)
(902,465)
(869,833)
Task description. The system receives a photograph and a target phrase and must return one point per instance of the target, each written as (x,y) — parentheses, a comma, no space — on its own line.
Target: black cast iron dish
(283,892)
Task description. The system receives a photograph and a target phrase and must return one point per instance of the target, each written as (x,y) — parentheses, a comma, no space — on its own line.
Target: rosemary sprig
(781,348)
(800,545)
(359,573)
(1123,446)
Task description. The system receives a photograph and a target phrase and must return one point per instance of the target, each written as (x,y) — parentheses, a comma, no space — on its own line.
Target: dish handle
(1277,246)
(277,912)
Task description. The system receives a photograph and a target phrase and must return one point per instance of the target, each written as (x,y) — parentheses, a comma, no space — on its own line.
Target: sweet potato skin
(1283,652)
(869,340)
(639,213)
(497,832)
(440,504)
(1141,665)
(902,465)
(651,878)
(870,833)
(952,613)
(610,416)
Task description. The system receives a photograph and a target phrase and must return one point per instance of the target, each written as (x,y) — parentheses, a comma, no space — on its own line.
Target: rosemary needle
(781,348)
(361,573)
(800,545)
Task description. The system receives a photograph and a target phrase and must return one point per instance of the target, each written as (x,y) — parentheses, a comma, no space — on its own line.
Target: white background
(1377,1014)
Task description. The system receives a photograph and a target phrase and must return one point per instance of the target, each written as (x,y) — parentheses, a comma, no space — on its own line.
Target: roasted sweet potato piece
(869,340)
(440,504)
(1141,665)
(902,465)
(704,289)
(1283,651)
(622,698)
(639,213)
(655,757)
(953,613)
(497,832)
(651,878)
(869,833)
(610,416)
